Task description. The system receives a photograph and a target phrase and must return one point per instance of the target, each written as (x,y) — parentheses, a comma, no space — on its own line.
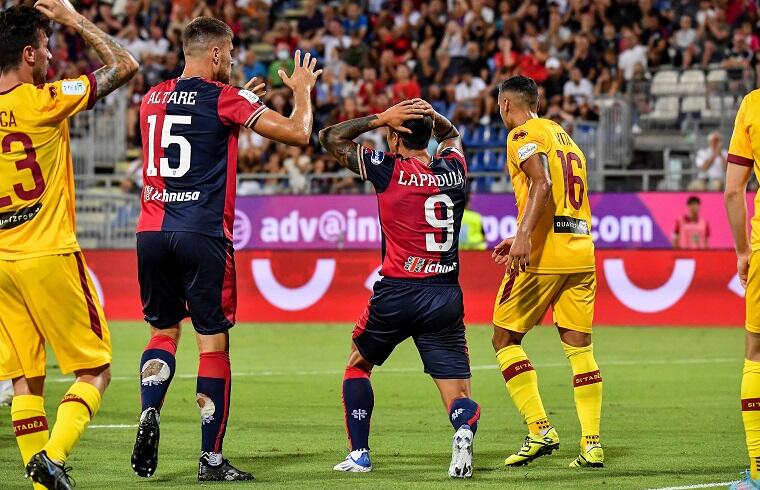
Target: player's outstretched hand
(60,11)
(304,74)
(394,117)
(501,251)
(256,86)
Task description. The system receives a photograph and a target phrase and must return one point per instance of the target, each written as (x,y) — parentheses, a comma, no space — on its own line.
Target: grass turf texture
(671,413)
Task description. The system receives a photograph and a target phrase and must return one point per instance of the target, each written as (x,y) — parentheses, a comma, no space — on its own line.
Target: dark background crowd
(451,52)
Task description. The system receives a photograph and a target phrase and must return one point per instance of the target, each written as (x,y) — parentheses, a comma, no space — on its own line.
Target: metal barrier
(106,219)
(99,136)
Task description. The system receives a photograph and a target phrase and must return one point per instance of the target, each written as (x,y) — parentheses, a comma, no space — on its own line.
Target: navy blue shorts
(431,314)
(185,274)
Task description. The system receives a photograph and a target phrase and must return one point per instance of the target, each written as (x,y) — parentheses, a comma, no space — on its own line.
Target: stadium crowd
(451,52)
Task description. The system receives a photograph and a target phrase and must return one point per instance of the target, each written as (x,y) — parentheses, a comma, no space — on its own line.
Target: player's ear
(216,55)
(29,55)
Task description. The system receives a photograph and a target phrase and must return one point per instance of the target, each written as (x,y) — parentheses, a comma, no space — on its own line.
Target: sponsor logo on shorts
(587,378)
(16,218)
(566,224)
(150,193)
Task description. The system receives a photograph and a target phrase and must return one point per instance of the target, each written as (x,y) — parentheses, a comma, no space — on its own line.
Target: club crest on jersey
(526,150)
(519,135)
(414,264)
(377,157)
(249,96)
(73,87)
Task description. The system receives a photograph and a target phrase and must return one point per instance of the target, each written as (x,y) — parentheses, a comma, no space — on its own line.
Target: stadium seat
(693,103)
(692,82)
(665,110)
(716,107)
(719,75)
(665,82)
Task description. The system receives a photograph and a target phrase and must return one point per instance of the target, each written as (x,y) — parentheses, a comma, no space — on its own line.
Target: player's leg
(358,403)
(163,299)
(22,359)
(380,328)
(750,386)
(59,287)
(208,274)
(442,345)
(521,303)
(573,315)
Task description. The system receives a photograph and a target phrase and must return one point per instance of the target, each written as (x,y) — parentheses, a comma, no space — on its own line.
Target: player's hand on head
(256,86)
(394,117)
(304,74)
(61,11)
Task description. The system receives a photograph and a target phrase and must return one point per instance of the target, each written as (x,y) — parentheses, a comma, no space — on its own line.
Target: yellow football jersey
(36,169)
(744,149)
(562,239)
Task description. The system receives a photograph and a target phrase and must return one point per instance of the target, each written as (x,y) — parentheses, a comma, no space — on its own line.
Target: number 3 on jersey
(446,224)
(167,138)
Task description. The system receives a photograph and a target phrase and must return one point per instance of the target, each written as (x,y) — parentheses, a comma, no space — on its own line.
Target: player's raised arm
(338,139)
(119,67)
(536,168)
(296,129)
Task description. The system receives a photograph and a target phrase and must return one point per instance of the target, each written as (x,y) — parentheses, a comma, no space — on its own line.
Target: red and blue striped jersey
(420,206)
(189,139)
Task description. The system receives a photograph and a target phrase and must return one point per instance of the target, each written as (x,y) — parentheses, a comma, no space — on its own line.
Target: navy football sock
(213,397)
(156,371)
(358,401)
(464,411)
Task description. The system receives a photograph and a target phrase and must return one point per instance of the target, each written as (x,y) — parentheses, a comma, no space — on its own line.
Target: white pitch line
(113,426)
(483,367)
(699,485)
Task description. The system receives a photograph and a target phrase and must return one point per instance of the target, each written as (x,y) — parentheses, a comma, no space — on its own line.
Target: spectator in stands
(468,98)
(252,67)
(691,231)
(684,41)
(633,54)
(711,165)
(583,58)
(405,87)
(284,62)
(578,88)
(132,183)
(555,78)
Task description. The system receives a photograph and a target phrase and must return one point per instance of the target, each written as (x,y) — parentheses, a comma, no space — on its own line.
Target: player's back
(420,206)
(189,133)
(37,209)
(562,240)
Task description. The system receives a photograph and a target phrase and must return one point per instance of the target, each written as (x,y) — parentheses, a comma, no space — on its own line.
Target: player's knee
(504,338)
(29,386)
(574,338)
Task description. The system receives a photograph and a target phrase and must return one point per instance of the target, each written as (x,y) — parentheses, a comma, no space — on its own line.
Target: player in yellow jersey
(743,156)
(549,263)
(46,293)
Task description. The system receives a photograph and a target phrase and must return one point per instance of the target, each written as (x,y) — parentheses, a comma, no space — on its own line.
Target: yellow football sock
(77,408)
(30,425)
(751,413)
(587,390)
(522,385)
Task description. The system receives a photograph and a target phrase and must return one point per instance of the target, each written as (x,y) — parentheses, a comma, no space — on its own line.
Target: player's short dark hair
(202,31)
(524,87)
(422,131)
(693,200)
(20,26)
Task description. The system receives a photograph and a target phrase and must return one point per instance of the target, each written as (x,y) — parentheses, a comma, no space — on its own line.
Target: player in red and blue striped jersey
(185,257)
(421,199)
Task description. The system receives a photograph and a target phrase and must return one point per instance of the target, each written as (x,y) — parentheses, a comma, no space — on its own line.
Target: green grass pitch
(671,413)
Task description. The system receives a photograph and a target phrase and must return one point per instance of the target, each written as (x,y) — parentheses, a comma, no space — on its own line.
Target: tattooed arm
(338,139)
(119,67)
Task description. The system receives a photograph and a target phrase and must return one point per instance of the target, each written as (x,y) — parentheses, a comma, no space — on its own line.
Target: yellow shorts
(50,299)
(523,301)
(752,295)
